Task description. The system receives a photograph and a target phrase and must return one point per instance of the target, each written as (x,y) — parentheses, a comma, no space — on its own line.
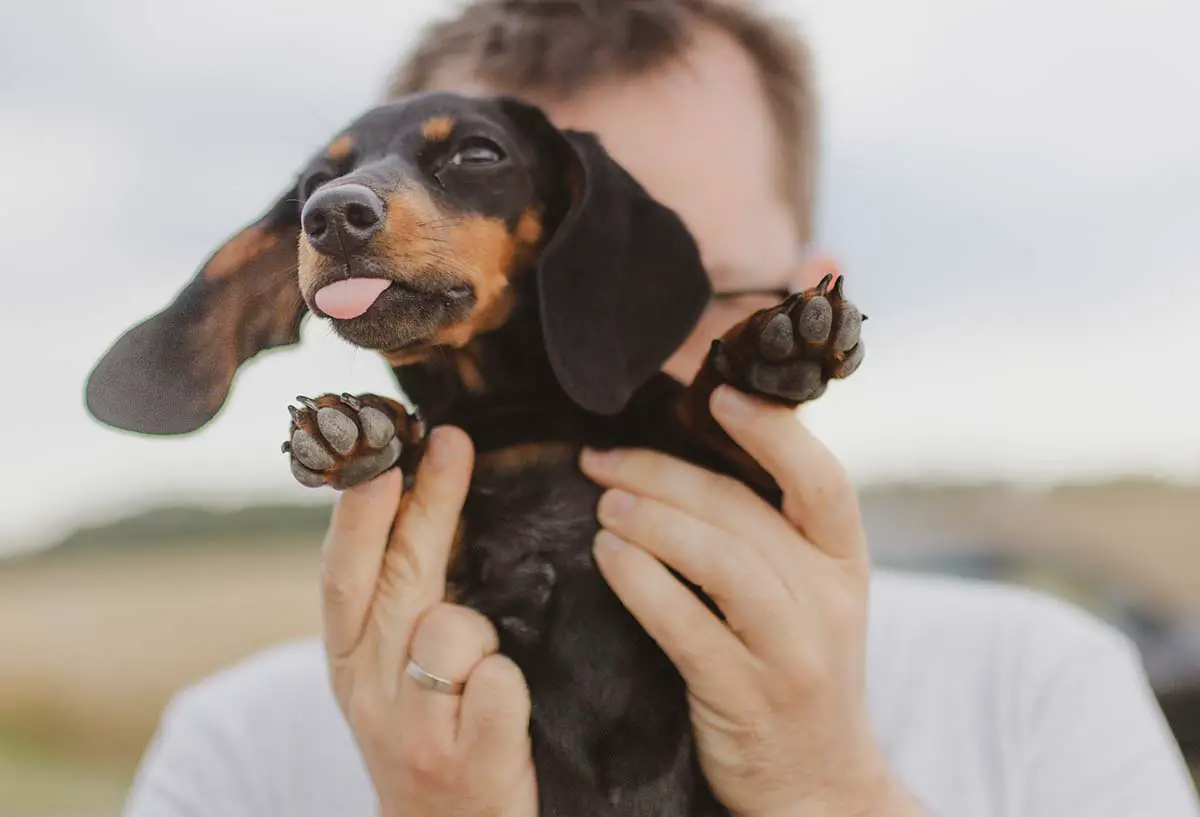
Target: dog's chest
(607,704)
(526,536)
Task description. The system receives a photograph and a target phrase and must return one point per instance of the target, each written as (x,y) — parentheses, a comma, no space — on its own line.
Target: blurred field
(94,645)
(97,635)
(1142,535)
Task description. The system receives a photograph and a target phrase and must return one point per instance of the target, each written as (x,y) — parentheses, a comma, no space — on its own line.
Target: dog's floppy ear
(171,373)
(621,282)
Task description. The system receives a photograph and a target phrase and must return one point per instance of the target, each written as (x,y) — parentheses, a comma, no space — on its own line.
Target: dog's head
(414,229)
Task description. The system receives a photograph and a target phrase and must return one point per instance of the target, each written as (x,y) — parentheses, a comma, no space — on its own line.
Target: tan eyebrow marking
(340,148)
(438,128)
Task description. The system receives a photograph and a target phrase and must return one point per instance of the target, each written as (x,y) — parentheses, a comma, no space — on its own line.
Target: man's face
(699,137)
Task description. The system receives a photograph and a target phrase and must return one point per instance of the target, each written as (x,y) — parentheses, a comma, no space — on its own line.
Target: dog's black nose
(342,218)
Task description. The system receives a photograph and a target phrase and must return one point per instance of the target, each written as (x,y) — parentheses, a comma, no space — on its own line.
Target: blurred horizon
(1013,191)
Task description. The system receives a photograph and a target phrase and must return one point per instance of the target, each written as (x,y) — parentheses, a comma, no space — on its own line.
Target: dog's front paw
(342,440)
(790,352)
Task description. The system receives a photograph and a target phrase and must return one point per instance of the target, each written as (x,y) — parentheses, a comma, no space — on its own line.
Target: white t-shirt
(990,701)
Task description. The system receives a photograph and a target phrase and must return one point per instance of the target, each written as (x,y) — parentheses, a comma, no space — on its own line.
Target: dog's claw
(790,352)
(347,440)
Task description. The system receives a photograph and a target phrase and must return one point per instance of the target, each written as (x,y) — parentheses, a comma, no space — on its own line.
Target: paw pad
(344,440)
(790,352)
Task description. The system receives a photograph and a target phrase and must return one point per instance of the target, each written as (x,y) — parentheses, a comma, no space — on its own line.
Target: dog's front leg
(786,354)
(346,440)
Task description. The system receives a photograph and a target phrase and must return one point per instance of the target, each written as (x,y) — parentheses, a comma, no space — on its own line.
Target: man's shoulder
(986,654)
(1024,694)
(943,609)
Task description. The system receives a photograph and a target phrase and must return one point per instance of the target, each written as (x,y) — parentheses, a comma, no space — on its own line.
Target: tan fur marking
(480,251)
(406,357)
(310,266)
(468,370)
(340,148)
(437,129)
(239,251)
(525,455)
(529,228)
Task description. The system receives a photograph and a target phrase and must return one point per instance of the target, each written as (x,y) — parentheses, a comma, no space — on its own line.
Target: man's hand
(777,694)
(383,585)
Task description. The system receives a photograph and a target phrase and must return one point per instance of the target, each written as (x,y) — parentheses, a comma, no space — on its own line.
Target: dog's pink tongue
(349,298)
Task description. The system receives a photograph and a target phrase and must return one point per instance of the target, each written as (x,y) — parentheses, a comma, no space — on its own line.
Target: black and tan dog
(524,287)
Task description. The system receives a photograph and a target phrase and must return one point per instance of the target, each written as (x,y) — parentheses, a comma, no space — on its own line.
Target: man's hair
(558,47)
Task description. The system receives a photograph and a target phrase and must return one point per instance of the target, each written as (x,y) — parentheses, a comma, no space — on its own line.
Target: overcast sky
(1013,189)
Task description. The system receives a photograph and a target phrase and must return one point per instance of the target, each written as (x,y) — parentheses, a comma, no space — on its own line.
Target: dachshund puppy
(524,287)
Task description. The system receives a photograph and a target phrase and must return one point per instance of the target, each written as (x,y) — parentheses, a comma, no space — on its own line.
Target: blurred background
(1013,189)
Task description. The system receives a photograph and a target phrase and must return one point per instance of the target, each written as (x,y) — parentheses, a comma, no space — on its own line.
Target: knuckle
(363,713)
(807,672)
(711,482)
(454,626)
(503,685)
(698,656)
(419,504)
(452,621)
(428,760)
(836,491)
(400,576)
(338,588)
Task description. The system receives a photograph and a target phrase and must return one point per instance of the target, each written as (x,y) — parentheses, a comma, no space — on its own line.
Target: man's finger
(702,648)
(750,593)
(495,708)
(818,496)
(413,577)
(447,642)
(352,555)
(718,500)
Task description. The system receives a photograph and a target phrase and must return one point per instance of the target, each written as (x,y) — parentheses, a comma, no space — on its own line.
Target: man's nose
(342,219)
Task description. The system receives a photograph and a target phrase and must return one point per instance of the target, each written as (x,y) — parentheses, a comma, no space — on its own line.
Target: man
(935,698)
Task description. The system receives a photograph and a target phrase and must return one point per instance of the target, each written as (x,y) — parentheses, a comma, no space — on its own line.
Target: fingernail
(616,503)
(596,460)
(731,403)
(607,542)
(441,450)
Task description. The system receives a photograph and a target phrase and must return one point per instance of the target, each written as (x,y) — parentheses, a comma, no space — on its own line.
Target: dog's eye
(477,153)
